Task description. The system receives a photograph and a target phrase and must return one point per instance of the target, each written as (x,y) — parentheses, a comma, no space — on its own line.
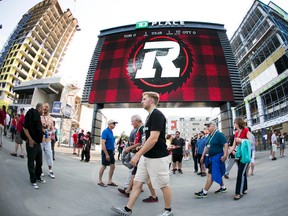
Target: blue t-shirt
(201,145)
(107,135)
(216,143)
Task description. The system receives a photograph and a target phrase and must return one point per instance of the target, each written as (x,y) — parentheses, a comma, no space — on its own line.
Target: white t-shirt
(7,119)
(273,138)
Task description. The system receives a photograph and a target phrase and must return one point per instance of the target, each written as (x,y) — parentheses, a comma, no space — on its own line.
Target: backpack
(23,135)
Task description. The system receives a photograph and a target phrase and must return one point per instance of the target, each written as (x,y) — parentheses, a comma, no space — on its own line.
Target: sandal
(237,197)
(112,184)
(102,184)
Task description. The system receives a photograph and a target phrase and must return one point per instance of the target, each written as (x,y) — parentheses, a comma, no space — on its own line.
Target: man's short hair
(136,118)
(210,123)
(153,95)
(39,105)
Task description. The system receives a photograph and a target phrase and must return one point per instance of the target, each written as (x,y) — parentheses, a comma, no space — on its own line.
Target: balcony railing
(22,101)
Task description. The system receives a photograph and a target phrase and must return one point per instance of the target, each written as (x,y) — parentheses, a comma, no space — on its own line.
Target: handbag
(126,158)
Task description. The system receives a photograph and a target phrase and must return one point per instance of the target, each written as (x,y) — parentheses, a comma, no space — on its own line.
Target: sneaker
(35,186)
(166,213)
(203,174)
(180,171)
(121,211)
(173,171)
(22,156)
(150,199)
(14,154)
(51,175)
(274,158)
(221,190)
(200,194)
(122,191)
(41,180)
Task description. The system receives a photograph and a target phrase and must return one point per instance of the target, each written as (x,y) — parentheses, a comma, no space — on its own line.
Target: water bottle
(46,133)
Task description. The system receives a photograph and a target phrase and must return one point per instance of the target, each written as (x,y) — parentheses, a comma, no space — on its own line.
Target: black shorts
(112,158)
(177,157)
(210,168)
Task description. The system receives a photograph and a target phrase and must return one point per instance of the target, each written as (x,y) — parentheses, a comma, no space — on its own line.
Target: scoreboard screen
(183,64)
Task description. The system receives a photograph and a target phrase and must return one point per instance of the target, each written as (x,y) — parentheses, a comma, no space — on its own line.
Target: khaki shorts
(18,138)
(154,169)
(274,147)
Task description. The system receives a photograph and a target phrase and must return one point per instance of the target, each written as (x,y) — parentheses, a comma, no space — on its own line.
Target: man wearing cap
(107,153)
(215,162)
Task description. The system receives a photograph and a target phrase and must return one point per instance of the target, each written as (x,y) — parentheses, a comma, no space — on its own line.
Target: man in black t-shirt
(153,157)
(177,145)
(34,132)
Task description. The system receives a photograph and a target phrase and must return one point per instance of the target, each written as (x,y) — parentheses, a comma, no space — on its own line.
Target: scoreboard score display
(185,62)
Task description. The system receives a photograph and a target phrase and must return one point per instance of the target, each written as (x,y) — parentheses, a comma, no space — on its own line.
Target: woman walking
(243,156)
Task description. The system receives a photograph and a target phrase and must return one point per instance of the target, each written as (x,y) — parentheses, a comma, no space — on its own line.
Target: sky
(94,16)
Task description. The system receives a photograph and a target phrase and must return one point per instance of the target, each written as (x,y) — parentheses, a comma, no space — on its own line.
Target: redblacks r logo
(160,64)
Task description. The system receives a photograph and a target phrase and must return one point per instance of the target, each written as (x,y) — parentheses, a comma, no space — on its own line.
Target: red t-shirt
(243,134)
(20,123)
(2,116)
(75,136)
(14,123)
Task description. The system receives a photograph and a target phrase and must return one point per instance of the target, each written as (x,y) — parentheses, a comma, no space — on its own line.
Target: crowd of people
(150,154)
(82,142)
(152,160)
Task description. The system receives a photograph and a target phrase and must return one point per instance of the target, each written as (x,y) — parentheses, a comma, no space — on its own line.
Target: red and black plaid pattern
(209,79)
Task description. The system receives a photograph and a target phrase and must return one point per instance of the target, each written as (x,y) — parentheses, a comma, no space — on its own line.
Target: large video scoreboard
(187,63)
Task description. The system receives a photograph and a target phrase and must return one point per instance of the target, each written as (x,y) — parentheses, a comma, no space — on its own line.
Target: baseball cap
(111,121)
(209,123)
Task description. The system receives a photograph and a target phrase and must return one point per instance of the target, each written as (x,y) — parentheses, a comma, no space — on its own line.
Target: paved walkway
(75,192)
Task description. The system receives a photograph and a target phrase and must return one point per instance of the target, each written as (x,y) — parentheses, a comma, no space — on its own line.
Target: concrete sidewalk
(75,192)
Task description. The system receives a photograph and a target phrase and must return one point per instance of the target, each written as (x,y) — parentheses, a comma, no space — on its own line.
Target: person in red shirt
(2,123)
(241,133)
(13,126)
(18,140)
(75,139)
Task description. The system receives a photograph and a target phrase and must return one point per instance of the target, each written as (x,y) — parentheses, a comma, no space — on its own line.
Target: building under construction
(36,47)
(260,46)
